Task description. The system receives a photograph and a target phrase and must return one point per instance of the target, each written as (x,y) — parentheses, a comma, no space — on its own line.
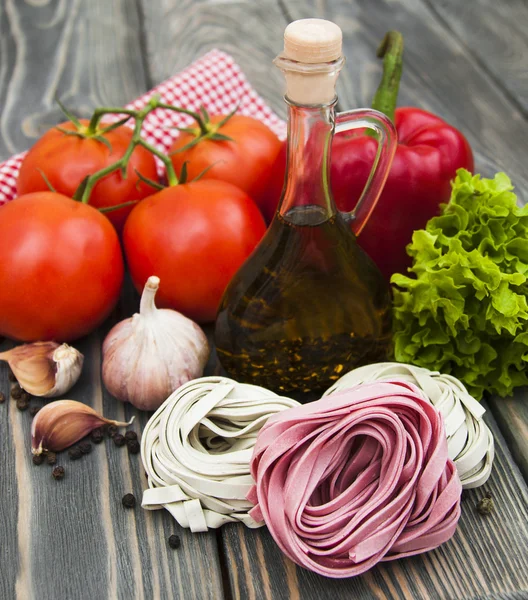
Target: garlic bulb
(147,357)
(60,424)
(45,369)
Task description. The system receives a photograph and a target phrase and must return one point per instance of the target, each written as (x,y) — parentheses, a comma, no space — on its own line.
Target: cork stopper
(311,61)
(312,41)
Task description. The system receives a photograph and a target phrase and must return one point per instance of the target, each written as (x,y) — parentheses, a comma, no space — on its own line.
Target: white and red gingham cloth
(214,81)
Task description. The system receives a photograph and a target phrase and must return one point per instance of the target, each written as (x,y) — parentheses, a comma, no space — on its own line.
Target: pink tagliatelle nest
(356,478)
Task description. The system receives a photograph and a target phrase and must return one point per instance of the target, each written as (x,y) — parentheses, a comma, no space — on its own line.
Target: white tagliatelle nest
(469,439)
(197,447)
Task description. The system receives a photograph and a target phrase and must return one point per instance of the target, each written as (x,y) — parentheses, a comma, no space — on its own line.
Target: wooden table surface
(69,540)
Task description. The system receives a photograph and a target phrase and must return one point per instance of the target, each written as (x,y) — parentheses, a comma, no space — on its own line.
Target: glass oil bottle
(309,305)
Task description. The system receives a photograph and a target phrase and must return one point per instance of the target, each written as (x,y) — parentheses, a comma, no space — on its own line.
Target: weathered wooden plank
(179,31)
(44,535)
(511,415)
(439,75)
(496,34)
(193,571)
(8,491)
(486,558)
(73,538)
(252,32)
(85,52)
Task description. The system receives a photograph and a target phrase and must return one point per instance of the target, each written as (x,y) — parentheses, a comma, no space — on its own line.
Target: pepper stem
(391,51)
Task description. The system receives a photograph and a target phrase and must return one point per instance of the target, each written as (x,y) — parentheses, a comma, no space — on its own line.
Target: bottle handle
(367,118)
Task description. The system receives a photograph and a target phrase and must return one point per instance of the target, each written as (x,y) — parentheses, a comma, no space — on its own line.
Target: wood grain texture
(9,496)
(496,34)
(73,538)
(252,32)
(182,30)
(86,52)
(486,558)
(511,415)
(439,75)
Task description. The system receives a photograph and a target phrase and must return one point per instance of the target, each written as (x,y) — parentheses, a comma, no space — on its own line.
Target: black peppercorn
(119,440)
(22,404)
(97,435)
(85,447)
(174,542)
(130,435)
(111,430)
(74,453)
(11,377)
(58,472)
(129,501)
(34,410)
(133,446)
(2,398)
(25,397)
(16,392)
(38,459)
(485,505)
(52,458)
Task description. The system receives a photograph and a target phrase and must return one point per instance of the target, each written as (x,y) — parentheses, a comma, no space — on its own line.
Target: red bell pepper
(429,153)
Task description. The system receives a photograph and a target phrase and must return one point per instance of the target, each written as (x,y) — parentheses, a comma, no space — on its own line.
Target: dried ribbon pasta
(469,440)
(196,450)
(358,477)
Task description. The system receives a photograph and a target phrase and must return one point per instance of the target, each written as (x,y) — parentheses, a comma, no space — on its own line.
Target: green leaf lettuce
(465,311)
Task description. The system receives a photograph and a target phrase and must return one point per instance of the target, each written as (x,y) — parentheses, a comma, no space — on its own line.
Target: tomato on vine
(66,154)
(238,149)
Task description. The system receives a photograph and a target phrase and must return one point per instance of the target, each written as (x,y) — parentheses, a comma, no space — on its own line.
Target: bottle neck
(306,195)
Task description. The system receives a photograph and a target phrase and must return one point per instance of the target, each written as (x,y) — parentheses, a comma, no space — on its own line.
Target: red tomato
(194,237)
(245,162)
(67,159)
(61,268)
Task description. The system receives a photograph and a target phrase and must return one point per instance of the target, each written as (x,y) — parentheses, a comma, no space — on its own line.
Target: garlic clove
(60,424)
(68,363)
(147,357)
(45,369)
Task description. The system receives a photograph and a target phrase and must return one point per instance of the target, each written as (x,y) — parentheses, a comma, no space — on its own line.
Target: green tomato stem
(171,173)
(93,179)
(122,164)
(108,209)
(99,113)
(204,130)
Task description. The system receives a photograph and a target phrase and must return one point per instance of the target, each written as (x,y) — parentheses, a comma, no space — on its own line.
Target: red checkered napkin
(214,81)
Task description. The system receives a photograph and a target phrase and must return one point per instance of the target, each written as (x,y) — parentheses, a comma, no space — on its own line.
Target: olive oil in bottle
(309,305)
